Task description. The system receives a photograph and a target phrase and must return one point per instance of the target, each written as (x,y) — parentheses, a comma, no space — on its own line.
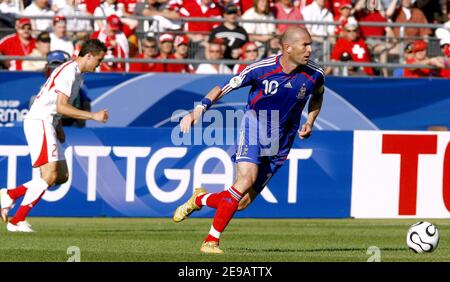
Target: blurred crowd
(167,36)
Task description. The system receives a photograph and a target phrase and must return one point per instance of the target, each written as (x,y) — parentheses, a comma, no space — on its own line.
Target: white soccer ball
(422,237)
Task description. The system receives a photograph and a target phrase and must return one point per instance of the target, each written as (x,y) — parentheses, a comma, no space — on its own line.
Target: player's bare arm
(314,106)
(63,107)
(192,118)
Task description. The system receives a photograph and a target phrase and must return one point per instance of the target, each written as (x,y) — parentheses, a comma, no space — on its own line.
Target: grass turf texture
(252,240)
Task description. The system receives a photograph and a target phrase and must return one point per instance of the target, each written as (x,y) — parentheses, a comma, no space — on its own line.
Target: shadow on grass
(318,250)
(144,230)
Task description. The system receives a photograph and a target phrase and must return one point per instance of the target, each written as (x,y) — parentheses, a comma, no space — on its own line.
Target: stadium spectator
(129,6)
(234,35)
(249,54)
(337,6)
(165,51)
(77,47)
(197,31)
(163,17)
(57,5)
(372,6)
(181,44)
(214,52)
(286,10)
(116,43)
(444,45)
(19,44)
(445,71)
(224,3)
(374,36)
(107,8)
(353,45)
(41,50)
(383,5)
(406,13)
(432,9)
(345,13)
(245,5)
(89,6)
(419,56)
(54,60)
(78,28)
(60,41)
(274,47)
(9,7)
(443,33)
(114,7)
(7,24)
(365,15)
(260,33)
(39,8)
(408,52)
(317,11)
(149,51)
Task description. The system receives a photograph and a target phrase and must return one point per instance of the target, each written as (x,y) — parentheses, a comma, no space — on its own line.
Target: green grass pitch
(251,240)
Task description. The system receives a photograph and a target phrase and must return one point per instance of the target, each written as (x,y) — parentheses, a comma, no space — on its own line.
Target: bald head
(294,33)
(296,45)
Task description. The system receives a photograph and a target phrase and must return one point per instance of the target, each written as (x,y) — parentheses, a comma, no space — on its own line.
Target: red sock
(23,211)
(226,208)
(17,192)
(212,201)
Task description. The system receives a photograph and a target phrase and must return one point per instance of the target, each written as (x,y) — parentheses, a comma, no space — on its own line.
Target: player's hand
(306,131)
(189,119)
(101,116)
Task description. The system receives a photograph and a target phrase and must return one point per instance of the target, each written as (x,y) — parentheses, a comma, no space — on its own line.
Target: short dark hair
(44,37)
(151,39)
(93,46)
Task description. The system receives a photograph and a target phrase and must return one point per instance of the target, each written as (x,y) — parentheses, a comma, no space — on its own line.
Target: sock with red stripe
(17,192)
(23,211)
(226,208)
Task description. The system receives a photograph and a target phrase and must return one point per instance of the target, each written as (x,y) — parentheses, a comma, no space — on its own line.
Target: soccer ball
(422,237)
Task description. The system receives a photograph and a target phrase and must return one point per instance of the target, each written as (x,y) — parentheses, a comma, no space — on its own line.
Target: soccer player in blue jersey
(281,85)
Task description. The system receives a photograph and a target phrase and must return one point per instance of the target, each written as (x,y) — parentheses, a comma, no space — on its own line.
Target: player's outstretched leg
(226,208)
(227,204)
(8,197)
(36,189)
(51,173)
(183,211)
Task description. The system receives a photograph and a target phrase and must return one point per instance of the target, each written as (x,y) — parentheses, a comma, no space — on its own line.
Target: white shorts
(42,142)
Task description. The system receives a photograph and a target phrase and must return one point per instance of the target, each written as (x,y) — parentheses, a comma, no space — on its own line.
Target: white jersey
(65,79)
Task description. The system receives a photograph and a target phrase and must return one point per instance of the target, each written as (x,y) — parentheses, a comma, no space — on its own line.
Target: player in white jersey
(44,132)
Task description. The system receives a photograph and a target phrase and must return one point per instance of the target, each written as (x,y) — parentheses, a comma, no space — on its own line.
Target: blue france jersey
(272,89)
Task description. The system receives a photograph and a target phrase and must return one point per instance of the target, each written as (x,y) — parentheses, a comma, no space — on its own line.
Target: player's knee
(246,182)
